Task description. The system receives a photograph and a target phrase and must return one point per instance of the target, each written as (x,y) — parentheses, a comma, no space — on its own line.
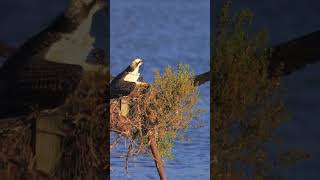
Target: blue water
(178,31)
(285,20)
(164,33)
(161,33)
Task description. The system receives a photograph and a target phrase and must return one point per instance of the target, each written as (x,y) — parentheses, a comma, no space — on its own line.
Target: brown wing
(40,84)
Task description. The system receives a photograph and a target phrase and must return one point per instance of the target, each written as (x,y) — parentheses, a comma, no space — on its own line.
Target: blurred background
(285,20)
(20,20)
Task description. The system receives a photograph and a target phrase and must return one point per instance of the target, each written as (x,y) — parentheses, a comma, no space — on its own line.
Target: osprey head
(132,71)
(81,9)
(135,64)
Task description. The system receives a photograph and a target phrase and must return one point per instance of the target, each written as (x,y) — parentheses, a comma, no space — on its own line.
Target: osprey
(48,66)
(125,82)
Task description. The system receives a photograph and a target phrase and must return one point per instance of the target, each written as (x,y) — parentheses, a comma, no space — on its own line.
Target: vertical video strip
(212,85)
(54,78)
(265,101)
(107,117)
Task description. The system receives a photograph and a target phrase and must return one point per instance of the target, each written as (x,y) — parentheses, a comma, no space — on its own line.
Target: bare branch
(157,159)
(202,78)
(293,55)
(297,53)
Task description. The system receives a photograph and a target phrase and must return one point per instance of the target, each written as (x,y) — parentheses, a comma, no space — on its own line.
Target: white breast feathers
(132,77)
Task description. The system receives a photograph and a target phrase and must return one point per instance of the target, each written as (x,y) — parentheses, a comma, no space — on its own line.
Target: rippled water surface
(164,33)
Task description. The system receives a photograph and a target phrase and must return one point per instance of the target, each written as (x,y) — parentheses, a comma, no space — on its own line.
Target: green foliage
(247,104)
(166,144)
(167,108)
(174,103)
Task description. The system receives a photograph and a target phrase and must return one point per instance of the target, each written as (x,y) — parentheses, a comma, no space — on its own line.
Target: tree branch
(293,55)
(202,78)
(6,50)
(157,159)
(296,54)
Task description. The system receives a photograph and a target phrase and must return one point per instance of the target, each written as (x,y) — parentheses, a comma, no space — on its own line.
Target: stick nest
(85,144)
(163,111)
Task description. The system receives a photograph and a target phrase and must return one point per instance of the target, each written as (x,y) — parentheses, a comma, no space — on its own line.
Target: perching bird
(125,82)
(46,68)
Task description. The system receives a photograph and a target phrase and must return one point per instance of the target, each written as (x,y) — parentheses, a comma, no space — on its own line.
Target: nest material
(85,145)
(161,111)
(16,154)
(119,123)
